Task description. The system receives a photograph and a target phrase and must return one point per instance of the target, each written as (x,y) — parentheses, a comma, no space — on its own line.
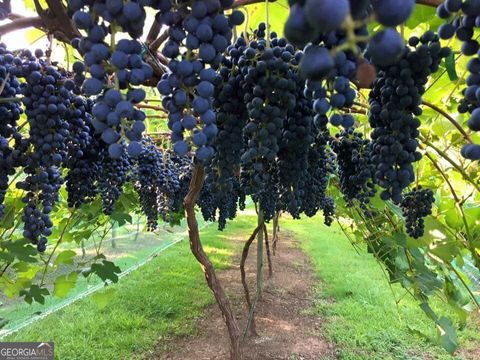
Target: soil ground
(285,328)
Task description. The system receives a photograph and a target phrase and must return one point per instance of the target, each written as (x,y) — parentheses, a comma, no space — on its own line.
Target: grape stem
(9,100)
(5,269)
(361,105)
(239,3)
(430,2)
(58,23)
(155,44)
(48,53)
(355,111)
(267,22)
(53,20)
(47,263)
(458,203)
(261,222)
(472,295)
(4,83)
(453,163)
(154,31)
(104,235)
(449,118)
(152,107)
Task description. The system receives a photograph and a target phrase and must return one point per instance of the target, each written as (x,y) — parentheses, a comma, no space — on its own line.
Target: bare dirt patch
(472,350)
(285,329)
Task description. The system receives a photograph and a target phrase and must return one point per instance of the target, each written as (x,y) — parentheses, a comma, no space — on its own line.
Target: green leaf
(429,311)
(65,257)
(419,333)
(121,218)
(400,239)
(423,15)
(29,4)
(33,35)
(377,202)
(127,200)
(446,250)
(472,214)
(102,298)
(8,220)
(12,289)
(64,283)
(401,261)
(22,250)
(27,270)
(35,293)
(450,66)
(454,295)
(278,13)
(447,335)
(106,270)
(454,219)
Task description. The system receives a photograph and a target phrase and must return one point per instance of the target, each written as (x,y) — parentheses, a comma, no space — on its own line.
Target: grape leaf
(65,283)
(65,257)
(35,293)
(106,270)
(102,298)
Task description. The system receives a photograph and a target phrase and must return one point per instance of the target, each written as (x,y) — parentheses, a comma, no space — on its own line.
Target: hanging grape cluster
(394,106)
(416,205)
(116,69)
(10,156)
(266,135)
(203,29)
(461,22)
(161,181)
(355,168)
(256,111)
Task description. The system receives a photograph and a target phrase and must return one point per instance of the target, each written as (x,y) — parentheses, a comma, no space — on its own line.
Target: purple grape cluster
(416,205)
(10,112)
(269,86)
(355,168)
(188,88)
(315,22)
(462,18)
(47,102)
(394,106)
(113,67)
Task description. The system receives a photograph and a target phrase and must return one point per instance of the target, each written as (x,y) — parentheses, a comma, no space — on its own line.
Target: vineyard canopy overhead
(367,112)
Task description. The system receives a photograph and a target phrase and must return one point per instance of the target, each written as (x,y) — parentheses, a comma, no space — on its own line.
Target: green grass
(128,252)
(358,304)
(156,302)
(163,298)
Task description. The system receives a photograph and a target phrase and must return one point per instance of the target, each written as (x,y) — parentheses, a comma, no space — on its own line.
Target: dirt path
(285,329)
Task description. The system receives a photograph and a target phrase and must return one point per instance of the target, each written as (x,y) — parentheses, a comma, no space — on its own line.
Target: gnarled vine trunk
(276,228)
(196,185)
(267,248)
(243,260)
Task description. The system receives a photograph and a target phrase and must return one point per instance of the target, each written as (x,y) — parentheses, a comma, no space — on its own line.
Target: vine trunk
(196,247)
